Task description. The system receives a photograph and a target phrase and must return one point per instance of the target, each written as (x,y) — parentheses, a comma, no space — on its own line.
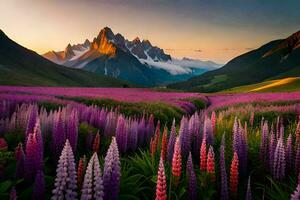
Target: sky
(215,30)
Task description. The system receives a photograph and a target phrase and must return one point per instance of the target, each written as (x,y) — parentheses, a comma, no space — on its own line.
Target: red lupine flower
(164,143)
(3,144)
(96,143)
(203,155)
(80,171)
(176,162)
(234,175)
(155,140)
(161,186)
(210,167)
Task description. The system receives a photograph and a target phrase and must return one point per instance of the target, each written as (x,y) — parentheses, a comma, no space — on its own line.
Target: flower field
(59,143)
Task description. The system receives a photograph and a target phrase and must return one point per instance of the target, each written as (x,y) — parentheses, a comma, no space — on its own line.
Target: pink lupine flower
(161,186)
(176,162)
(210,167)
(203,155)
(234,175)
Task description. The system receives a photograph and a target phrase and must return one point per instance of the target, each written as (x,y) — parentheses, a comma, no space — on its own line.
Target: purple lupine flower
(93,185)
(248,193)
(65,181)
(121,134)
(192,180)
(20,157)
(171,142)
(289,153)
(296,194)
(89,140)
(279,161)
(272,147)
(142,135)
(208,131)
(111,172)
(72,129)
(39,145)
(263,142)
(224,185)
(133,136)
(13,194)
(39,186)
(58,135)
(184,137)
(297,160)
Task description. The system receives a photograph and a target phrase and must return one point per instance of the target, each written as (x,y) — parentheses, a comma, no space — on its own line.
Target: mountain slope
(286,84)
(276,59)
(135,61)
(21,66)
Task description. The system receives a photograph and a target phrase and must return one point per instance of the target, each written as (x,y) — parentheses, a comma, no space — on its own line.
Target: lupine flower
(13,194)
(93,185)
(171,142)
(263,142)
(213,121)
(39,145)
(234,175)
(184,137)
(296,194)
(297,160)
(32,120)
(20,157)
(111,172)
(80,171)
(251,120)
(272,148)
(298,133)
(65,181)
(208,131)
(279,161)
(155,140)
(150,127)
(210,166)
(192,180)
(176,161)
(224,186)
(121,134)
(39,186)
(32,162)
(203,155)
(3,144)
(58,135)
(161,186)
(289,152)
(72,129)
(164,144)
(96,143)
(248,193)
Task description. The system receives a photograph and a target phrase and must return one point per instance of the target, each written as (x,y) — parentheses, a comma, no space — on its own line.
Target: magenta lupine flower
(224,184)
(65,181)
(297,160)
(111,172)
(296,194)
(248,193)
(20,157)
(39,145)
(161,185)
(279,161)
(32,119)
(32,161)
(192,180)
(58,135)
(39,189)
(289,153)
(184,137)
(13,194)
(121,134)
(93,185)
(263,142)
(171,142)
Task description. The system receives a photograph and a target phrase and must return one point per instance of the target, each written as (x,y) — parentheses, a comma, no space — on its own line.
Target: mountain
(274,60)
(136,61)
(21,66)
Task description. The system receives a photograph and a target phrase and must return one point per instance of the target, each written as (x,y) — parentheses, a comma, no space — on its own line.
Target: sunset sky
(215,30)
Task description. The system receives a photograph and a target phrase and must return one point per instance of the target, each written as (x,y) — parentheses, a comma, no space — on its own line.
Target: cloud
(195,50)
(198,50)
